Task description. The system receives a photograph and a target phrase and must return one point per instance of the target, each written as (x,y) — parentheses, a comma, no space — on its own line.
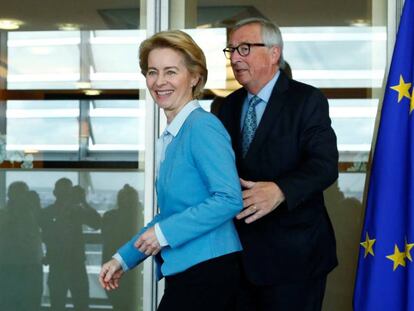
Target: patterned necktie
(250,125)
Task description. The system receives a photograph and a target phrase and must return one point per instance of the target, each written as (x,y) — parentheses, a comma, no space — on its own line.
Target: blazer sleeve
(214,159)
(318,167)
(129,253)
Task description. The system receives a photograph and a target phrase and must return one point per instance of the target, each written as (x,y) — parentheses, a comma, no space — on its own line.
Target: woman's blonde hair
(181,42)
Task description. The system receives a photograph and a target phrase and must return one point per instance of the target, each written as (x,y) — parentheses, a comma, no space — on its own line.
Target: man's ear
(275,53)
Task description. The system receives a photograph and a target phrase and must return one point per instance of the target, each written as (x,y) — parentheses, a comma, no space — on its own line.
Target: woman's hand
(148,243)
(111,273)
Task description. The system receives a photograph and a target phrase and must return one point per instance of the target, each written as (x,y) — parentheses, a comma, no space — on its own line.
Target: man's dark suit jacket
(295,147)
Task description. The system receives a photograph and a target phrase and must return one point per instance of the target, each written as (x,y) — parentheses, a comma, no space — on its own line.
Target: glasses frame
(228,51)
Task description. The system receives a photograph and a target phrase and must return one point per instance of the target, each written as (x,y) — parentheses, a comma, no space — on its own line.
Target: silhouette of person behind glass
(21,251)
(65,246)
(34,204)
(346,215)
(119,225)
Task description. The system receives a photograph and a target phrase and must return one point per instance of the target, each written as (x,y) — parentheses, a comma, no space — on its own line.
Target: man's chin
(242,79)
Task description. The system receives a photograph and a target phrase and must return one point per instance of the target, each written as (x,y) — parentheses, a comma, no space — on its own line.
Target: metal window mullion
(84,65)
(3,80)
(84,125)
(394,9)
(157,19)
(84,179)
(3,108)
(3,190)
(84,50)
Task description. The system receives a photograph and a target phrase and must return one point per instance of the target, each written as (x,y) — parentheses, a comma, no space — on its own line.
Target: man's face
(259,66)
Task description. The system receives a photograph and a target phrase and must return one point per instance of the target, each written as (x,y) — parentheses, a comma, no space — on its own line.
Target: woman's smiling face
(169,81)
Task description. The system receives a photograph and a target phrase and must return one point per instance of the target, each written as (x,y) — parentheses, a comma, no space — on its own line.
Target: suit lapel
(270,115)
(235,121)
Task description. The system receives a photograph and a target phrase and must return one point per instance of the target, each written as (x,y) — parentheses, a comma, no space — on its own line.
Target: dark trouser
(21,287)
(64,278)
(210,285)
(305,295)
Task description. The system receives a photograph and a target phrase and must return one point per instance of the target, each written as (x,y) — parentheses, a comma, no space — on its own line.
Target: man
(286,156)
(62,232)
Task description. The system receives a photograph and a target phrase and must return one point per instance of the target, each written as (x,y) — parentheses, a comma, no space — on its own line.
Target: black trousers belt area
(209,285)
(204,271)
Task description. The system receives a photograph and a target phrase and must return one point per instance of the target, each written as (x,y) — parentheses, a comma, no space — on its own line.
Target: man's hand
(111,273)
(259,199)
(148,243)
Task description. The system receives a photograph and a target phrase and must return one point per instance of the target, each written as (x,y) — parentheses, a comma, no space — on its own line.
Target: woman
(197,186)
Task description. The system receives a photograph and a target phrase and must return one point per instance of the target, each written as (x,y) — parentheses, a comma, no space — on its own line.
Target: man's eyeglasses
(243,49)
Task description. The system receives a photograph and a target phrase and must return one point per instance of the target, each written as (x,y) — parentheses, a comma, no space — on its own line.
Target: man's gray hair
(271,34)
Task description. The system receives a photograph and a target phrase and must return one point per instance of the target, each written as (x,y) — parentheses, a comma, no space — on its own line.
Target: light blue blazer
(198,195)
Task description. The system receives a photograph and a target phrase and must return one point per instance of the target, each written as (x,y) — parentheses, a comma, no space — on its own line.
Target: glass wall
(83,217)
(340,48)
(77,131)
(72,153)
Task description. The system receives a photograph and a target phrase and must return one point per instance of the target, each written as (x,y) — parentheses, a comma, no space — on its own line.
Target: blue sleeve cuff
(160,236)
(118,257)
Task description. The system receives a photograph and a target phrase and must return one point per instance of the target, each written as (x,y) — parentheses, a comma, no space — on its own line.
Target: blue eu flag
(385,276)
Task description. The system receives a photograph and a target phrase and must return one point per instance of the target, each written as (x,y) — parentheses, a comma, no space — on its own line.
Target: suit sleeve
(129,253)
(214,159)
(318,167)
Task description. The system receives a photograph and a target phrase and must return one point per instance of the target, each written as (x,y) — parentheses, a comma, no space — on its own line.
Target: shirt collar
(265,93)
(174,127)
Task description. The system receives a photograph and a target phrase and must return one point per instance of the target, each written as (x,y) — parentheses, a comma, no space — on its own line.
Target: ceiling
(124,14)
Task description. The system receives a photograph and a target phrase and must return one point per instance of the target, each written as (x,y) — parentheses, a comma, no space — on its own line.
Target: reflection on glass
(52,59)
(42,125)
(50,129)
(344,204)
(20,248)
(118,226)
(114,59)
(62,232)
(212,41)
(353,121)
(336,56)
(64,245)
(71,243)
(38,59)
(117,125)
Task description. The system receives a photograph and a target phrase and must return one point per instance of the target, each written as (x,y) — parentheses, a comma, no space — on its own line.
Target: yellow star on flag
(402,89)
(412,102)
(368,244)
(408,248)
(398,258)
